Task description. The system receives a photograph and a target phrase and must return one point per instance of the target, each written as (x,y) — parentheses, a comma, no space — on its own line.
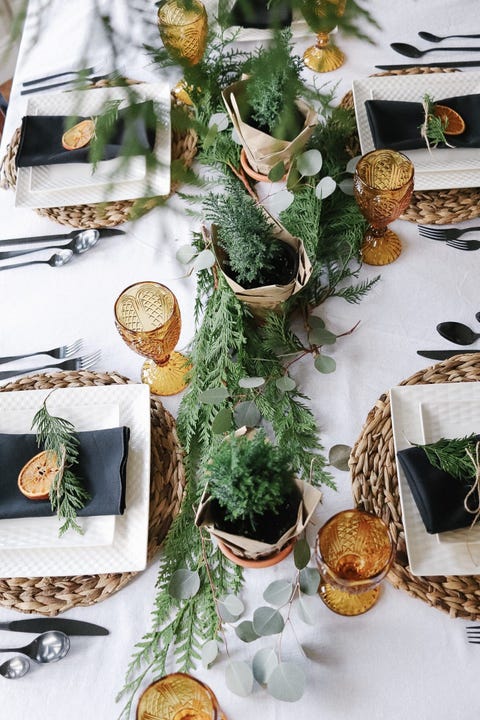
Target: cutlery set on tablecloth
(413,52)
(68,355)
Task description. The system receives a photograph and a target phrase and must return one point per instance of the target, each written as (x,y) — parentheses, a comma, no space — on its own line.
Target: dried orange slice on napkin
(79,135)
(453,122)
(37,475)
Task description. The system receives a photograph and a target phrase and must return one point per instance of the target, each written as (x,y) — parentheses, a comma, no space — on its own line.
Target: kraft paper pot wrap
(253,549)
(264,151)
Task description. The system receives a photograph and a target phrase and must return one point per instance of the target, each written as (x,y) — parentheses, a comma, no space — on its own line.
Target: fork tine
(88,360)
(460,244)
(424,230)
(73,348)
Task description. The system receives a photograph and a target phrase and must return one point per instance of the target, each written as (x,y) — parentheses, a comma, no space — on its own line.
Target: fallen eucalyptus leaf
(184,584)
(186,253)
(245,631)
(239,678)
(209,652)
(246,414)
(264,663)
(301,554)
(267,621)
(325,187)
(287,682)
(204,260)
(309,580)
(251,382)
(310,162)
(278,592)
(325,364)
(213,396)
(222,422)
(285,383)
(339,456)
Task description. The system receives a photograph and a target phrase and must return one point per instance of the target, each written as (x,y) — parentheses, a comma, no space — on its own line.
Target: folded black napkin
(41,137)
(396,124)
(256,14)
(439,496)
(102,468)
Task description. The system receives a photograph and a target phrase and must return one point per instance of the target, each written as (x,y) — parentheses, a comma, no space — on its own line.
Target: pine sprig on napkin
(452,456)
(67,494)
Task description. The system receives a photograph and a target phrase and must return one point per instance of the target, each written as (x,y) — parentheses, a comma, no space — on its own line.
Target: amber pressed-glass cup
(322,16)
(183,26)
(147,317)
(178,697)
(383,187)
(354,552)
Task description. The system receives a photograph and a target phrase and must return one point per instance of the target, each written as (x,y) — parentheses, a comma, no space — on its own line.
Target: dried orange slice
(79,135)
(37,475)
(453,122)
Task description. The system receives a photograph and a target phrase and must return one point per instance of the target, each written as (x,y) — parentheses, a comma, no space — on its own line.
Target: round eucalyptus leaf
(352,164)
(184,584)
(278,592)
(325,187)
(209,138)
(186,253)
(277,172)
(339,456)
(287,682)
(239,678)
(212,396)
(245,631)
(346,186)
(204,260)
(310,162)
(236,137)
(233,604)
(221,120)
(305,609)
(246,414)
(301,554)
(267,621)
(222,422)
(285,383)
(325,364)
(251,382)
(209,652)
(263,664)
(279,201)
(321,336)
(309,580)
(316,322)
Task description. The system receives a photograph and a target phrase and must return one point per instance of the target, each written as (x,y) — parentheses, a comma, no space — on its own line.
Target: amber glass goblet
(383,187)
(178,697)
(147,317)
(354,552)
(183,26)
(322,16)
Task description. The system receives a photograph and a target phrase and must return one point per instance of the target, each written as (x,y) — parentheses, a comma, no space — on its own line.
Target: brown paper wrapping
(253,549)
(264,151)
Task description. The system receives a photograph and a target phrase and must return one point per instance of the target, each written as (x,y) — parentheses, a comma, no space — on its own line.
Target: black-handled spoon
(413,52)
(457,332)
(429,37)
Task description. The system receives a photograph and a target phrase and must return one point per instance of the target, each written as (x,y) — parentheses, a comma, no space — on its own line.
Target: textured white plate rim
(426,555)
(128,552)
(435,173)
(89,102)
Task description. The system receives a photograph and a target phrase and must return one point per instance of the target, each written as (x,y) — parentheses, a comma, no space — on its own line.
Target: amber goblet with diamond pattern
(382,187)
(322,16)
(147,317)
(178,697)
(354,552)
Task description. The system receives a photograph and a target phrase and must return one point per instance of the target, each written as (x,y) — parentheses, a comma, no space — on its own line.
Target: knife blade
(445,64)
(69,627)
(86,82)
(444,354)
(45,78)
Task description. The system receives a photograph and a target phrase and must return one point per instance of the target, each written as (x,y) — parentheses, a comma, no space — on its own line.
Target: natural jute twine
(53,595)
(107,214)
(375,489)
(432,207)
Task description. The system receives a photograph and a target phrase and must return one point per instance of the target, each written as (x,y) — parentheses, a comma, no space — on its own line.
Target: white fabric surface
(403,659)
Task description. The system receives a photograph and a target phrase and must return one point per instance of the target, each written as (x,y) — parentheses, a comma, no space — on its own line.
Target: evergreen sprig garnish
(434,127)
(67,494)
(454,456)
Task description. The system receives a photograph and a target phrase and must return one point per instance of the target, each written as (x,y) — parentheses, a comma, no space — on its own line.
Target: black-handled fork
(464,244)
(473,634)
(440,233)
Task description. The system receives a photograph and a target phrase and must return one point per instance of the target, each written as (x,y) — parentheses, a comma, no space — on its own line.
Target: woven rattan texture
(109,214)
(53,595)
(375,489)
(433,207)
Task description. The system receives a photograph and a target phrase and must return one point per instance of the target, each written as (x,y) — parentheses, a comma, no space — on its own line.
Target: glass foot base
(344,603)
(168,379)
(381,250)
(323,59)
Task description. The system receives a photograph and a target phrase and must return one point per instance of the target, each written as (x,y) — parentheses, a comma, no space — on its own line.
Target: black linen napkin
(396,124)
(41,137)
(256,14)
(438,496)
(101,467)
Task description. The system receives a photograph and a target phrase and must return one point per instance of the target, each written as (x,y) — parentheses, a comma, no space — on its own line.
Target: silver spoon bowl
(457,333)
(80,243)
(61,257)
(413,52)
(48,647)
(15,667)
(429,37)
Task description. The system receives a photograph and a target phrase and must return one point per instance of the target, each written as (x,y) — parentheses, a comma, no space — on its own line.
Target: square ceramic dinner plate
(442,167)
(423,414)
(76,183)
(299,27)
(90,408)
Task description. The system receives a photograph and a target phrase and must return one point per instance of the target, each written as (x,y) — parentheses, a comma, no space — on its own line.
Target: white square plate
(75,183)
(128,550)
(299,27)
(43,531)
(443,167)
(424,413)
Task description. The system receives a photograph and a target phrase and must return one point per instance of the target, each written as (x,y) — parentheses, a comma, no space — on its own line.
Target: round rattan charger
(375,489)
(432,207)
(107,214)
(53,595)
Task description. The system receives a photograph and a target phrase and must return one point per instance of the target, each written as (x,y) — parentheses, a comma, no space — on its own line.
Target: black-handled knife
(85,71)
(445,64)
(69,627)
(443,354)
(52,86)
(104,232)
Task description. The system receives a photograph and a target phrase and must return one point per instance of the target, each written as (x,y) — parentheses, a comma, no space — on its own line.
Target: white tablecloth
(401,660)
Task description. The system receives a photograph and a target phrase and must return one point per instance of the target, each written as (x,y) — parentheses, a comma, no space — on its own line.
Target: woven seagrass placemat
(53,595)
(375,489)
(107,214)
(431,207)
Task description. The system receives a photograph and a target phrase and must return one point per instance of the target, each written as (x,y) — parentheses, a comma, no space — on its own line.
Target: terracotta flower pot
(268,561)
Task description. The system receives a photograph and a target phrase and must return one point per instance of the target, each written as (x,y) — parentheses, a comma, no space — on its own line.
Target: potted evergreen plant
(254,505)
(268,109)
